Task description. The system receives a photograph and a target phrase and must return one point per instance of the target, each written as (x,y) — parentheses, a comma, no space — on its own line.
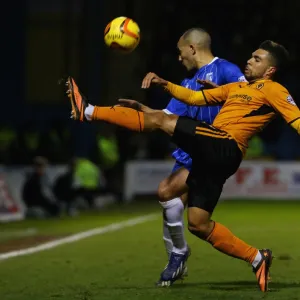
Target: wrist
(168,85)
(163,82)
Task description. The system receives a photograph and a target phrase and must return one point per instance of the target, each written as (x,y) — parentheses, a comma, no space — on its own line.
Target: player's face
(259,65)
(186,55)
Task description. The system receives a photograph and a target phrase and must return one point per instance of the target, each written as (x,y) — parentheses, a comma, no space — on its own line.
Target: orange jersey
(248,107)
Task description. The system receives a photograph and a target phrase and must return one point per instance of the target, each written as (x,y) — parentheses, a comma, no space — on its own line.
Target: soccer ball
(122,34)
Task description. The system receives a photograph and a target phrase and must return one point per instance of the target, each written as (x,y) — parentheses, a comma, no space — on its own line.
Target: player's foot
(175,270)
(184,273)
(185,270)
(78,100)
(262,270)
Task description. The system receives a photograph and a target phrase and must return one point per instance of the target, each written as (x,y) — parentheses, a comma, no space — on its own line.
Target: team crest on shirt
(290,100)
(209,76)
(260,86)
(242,79)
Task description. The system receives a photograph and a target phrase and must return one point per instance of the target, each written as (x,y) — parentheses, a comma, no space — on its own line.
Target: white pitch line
(79,236)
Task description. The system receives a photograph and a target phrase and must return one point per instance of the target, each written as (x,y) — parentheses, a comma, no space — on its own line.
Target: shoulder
(223,63)
(271,86)
(230,71)
(274,90)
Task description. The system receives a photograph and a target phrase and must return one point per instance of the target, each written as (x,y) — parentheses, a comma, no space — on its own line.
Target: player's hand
(207,84)
(134,105)
(152,78)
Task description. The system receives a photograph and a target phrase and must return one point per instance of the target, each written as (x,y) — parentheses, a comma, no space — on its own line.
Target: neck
(203,58)
(265,77)
(258,79)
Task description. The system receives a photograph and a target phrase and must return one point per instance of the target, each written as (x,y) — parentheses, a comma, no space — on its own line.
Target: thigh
(184,134)
(204,190)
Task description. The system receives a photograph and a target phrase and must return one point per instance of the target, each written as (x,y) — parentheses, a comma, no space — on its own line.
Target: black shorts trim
(212,133)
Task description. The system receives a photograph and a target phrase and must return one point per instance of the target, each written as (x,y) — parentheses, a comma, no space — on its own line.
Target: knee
(160,120)
(157,119)
(164,191)
(200,229)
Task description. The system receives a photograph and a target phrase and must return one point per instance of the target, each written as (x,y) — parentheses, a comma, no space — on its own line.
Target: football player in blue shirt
(195,54)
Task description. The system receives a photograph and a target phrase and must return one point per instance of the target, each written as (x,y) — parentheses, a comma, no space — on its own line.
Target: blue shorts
(178,165)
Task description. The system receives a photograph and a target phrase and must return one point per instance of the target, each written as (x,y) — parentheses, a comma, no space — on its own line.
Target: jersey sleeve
(176,107)
(232,73)
(280,99)
(217,96)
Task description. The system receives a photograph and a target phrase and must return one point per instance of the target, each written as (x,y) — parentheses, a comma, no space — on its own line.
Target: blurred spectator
(107,147)
(37,192)
(65,189)
(89,180)
(106,154)
(255,148)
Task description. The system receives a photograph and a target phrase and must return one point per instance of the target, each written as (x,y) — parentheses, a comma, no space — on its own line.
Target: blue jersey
(219,71)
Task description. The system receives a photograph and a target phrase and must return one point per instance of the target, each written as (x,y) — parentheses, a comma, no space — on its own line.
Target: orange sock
(122,116)
(223,240)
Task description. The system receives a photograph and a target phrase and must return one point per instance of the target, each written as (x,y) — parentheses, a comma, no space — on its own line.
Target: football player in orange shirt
(216,150)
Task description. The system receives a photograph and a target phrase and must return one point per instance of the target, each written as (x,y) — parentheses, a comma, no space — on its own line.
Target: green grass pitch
(125,264)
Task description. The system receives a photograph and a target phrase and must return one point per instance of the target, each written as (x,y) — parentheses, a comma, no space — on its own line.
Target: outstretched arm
(185,95)
(216,96)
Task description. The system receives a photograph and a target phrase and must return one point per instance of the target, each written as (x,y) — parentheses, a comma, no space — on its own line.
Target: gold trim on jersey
(212,133)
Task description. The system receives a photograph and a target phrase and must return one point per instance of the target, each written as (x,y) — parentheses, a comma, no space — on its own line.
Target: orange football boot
(78,100)
(262,270)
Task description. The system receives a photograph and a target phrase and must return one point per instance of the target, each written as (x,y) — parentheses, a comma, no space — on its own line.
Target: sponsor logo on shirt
(243,97)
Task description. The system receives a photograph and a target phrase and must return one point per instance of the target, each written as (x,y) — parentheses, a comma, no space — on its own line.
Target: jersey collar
(258,80)
(213,60)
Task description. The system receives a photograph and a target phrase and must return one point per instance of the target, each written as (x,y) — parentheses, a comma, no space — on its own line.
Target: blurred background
(45,40)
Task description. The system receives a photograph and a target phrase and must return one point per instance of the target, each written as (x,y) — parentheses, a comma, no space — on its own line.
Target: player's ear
(193,49)
(271,71)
